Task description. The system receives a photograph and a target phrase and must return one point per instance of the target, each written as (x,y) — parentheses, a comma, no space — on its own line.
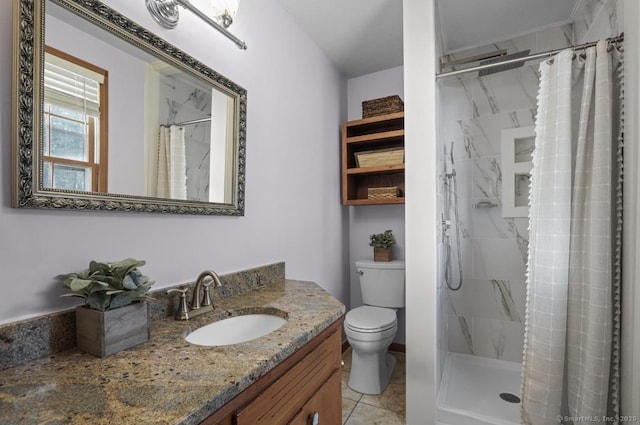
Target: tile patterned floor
(387,408)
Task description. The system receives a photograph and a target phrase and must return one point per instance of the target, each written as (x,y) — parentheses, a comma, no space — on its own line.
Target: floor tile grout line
(350,413)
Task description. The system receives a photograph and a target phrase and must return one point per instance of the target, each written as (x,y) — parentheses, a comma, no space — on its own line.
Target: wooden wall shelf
(371,134)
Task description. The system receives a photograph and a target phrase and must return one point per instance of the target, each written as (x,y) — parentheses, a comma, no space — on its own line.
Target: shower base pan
(479,391)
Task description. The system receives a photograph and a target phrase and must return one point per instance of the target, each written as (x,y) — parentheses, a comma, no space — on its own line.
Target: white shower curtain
(571,359)
(171,164)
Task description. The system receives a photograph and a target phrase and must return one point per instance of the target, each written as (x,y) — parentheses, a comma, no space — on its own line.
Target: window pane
(45,136)
(46,175)
(68,139)
(76,114)
(71,177)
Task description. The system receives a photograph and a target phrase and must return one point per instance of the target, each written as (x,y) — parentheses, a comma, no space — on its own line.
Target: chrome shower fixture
(166,13)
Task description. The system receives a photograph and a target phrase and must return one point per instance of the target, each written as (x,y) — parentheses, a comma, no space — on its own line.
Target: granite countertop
(166,380)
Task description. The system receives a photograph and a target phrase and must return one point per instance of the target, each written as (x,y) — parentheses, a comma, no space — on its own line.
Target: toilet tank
(382,283)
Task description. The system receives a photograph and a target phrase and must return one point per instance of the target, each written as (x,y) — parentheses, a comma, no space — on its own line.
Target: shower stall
(485,140)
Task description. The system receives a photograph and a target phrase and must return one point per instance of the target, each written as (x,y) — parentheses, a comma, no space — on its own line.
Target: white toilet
(370,329)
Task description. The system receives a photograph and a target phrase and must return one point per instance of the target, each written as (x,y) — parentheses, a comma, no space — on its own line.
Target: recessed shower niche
(517,148)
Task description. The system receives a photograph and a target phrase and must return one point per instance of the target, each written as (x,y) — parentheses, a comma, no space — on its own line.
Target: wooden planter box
(382,254)
(103,333)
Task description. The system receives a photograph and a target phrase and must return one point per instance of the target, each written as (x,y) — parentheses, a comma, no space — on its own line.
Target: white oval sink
(235,330)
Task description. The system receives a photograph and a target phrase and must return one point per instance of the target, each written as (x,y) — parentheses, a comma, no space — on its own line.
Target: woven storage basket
(373,158)
(382,106)
(382,192)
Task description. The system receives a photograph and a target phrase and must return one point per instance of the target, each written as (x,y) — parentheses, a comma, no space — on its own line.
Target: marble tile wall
(597,19)
(183,102)
(485,317)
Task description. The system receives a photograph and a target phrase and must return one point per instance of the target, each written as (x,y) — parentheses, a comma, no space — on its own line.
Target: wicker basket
(382,192)
(382,106)
(378,157)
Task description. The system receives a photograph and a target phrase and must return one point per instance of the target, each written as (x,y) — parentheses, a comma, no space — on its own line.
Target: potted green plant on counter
(382,245)
(115,314)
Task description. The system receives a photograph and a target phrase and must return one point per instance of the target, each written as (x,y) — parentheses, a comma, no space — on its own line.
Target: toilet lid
(370,319)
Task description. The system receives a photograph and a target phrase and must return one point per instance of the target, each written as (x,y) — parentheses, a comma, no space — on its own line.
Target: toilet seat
(370,319)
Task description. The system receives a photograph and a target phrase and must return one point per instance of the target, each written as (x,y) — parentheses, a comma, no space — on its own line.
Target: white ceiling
(359,36)
(474,23)
(365,36)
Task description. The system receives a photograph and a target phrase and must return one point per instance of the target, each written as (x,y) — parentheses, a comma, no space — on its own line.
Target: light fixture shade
(224,9)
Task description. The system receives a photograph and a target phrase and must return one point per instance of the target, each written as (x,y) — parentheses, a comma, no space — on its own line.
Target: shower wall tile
(541,41)
(490,299)
(498,259)
(442,326)
(486,316)
(487,178)
(463,178)
(466,250)
(555,38)
(460,329)
(457,106)
(506,91)
(488,338)
(488,222)
(482,135)
(498,339)
(597,19)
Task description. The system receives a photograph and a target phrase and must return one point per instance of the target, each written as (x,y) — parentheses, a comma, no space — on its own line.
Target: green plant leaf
(98,301)
(129,283)
(123,299)
(78,285)
(109,285)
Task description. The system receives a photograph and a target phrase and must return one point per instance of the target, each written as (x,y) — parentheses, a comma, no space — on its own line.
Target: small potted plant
(382,243)
(115,313)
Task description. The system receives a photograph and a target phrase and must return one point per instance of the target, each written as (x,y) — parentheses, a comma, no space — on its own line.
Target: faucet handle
(182,313)
(206,296)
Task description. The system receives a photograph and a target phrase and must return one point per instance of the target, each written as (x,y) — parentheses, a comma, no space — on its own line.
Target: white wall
(367,220)
(420,215)
(296,102)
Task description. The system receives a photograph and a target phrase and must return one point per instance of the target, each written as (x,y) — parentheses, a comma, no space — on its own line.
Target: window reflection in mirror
(75,111)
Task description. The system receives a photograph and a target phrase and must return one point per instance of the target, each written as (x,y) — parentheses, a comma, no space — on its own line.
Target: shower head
(500,68)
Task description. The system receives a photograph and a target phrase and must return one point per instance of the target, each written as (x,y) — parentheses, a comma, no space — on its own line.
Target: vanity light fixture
(165,12)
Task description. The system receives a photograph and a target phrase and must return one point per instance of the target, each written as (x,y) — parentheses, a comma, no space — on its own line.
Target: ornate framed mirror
(108,116)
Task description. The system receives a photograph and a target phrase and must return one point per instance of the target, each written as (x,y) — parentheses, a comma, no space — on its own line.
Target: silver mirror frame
(27,103)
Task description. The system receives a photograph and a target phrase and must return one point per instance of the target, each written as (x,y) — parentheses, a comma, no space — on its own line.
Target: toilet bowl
(370,331)
(371,328)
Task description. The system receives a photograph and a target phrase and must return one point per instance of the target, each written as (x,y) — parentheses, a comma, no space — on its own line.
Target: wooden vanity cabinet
(322,404)
(305,384)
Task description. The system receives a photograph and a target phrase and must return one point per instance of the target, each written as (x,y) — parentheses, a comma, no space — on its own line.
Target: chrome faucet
(198,305)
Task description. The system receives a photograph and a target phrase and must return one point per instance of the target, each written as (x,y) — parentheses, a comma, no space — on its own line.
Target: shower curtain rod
(612,40)
(192,121)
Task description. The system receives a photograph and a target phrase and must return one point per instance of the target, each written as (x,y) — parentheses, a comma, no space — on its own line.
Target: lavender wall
(366,220)
(296,102)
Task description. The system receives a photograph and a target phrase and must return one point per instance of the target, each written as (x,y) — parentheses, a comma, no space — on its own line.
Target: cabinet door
(277,404)
(325,407)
